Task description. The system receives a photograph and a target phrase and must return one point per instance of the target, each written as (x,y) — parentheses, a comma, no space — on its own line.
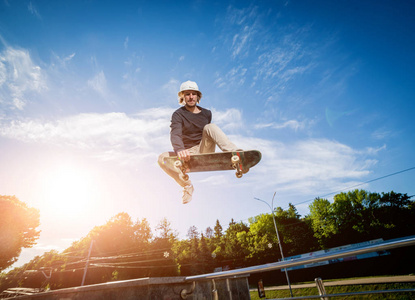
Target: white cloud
(3,73)
(110,136)
(69,57)
(228,120)
(240,42)
(302,167)
(382,133)
(291,124)
(214,180)
(272,60)
(99,83)
(172,87)
(235,76)
(33,10)
(374,151)
(19,77)
(312,166)
(282,63)
(239,29)
(62,61)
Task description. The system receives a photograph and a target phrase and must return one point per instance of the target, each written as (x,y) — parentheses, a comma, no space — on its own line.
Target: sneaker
(187,193)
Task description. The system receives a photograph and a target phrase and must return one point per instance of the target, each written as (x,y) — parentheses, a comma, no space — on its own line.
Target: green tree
(358,216)
(217,230)
(163,243)
(18,224)
(115,236)
(261,240)
(209,233)
(349,212)
(322,220)
(142,233)
(165,232)
(205,254)
(192,233)
(387,215)
(120,250)
(295,232)
(217,243)
(234,241)
(181,252)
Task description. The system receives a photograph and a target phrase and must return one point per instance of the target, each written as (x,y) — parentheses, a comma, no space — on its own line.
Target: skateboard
(240,161)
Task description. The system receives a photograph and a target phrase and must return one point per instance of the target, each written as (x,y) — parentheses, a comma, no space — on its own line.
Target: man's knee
(210,128)
(161,158)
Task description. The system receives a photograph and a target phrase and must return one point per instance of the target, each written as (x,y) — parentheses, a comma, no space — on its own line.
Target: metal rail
(391,244)
(348,294)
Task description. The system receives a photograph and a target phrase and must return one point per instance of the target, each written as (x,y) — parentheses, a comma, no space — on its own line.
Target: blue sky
(324,89)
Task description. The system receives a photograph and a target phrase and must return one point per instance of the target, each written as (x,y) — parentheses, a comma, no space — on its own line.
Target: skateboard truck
(236,164)
(179,165)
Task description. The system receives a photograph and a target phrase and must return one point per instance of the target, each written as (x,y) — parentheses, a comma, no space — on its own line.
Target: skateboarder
(192,133)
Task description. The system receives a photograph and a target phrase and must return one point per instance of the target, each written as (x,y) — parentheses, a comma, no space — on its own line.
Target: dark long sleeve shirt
(187,127)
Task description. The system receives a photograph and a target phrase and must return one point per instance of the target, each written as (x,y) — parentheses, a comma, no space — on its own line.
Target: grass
(301,292)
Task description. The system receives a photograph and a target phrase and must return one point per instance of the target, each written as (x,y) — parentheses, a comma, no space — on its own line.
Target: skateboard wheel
(238,174)
(235,159)
(185,177)
(178,164)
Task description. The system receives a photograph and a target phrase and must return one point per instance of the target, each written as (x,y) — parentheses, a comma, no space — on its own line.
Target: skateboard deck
(240,161)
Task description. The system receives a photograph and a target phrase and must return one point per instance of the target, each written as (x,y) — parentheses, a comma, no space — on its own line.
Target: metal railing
(386,245)
(343,295)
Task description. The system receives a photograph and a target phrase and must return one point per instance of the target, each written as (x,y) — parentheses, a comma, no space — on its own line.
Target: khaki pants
(212,136)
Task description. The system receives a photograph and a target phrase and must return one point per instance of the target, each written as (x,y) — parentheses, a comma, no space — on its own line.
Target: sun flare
(69,191)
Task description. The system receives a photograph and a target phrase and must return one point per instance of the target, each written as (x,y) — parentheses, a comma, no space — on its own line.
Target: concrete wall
(164,288)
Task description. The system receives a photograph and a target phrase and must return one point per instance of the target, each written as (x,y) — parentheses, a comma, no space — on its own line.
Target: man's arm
(184,154)
(176,133)
(176,137)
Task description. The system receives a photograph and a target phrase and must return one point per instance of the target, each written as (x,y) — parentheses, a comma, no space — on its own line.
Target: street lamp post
(278,237)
